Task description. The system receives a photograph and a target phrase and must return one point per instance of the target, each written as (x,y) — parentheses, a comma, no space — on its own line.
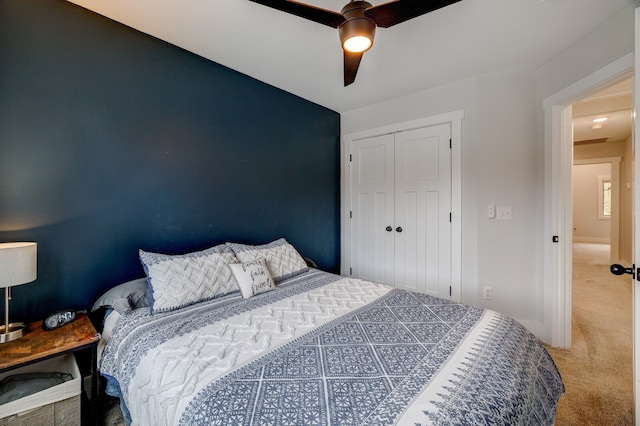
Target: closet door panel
(372,209)
(431,241)
(407,244)
(423,204)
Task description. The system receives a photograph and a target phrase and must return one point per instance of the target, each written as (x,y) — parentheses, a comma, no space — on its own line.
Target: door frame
(453,118)
(558,187)
(635,252)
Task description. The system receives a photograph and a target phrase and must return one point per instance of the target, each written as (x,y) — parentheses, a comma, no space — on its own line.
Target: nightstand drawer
(58,405)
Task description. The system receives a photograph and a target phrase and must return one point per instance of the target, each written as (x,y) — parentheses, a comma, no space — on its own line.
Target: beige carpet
(597,370)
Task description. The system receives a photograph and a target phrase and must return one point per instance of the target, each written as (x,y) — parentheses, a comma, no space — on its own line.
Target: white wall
(622,150)
(607,43)
(587,225)
(503,163)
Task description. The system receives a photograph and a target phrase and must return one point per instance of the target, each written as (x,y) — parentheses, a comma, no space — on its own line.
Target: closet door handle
(389,229)
(399,229)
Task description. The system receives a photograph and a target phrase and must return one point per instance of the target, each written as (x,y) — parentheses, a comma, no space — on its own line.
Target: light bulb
(357,44)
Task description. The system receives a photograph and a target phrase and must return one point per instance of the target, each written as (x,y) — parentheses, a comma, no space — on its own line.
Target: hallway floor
(597,370)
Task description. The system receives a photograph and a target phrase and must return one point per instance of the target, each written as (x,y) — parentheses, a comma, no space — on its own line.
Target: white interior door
(357,182)
(372,208)
(400,209)
(422,210)
(636,220)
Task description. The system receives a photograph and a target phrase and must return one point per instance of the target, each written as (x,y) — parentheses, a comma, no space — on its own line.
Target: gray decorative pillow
(283,260)
(180,280)
(253,277)
(125,297)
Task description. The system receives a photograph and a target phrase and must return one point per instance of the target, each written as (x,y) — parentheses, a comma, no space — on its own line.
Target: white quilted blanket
(323,349)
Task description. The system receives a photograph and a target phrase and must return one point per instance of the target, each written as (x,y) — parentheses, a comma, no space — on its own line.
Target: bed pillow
(253,277)
(283,260)
(176,281)
(124,297)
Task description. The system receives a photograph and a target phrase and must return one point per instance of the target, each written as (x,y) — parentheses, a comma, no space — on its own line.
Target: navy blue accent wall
(112,140)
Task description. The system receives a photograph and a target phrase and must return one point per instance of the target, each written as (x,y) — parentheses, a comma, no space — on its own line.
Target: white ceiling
(613,103)
(468,38)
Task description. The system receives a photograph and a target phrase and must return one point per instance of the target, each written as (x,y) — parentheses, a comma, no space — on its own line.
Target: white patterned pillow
(283,260)
(253,277)
(180,280)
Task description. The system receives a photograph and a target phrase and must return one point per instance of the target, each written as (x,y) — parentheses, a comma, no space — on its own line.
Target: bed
(241,334)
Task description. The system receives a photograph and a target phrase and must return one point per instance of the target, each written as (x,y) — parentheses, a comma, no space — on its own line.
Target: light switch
(504,213)
(491,211)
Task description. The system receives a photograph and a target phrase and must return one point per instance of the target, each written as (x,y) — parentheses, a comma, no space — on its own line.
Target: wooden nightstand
(38,345)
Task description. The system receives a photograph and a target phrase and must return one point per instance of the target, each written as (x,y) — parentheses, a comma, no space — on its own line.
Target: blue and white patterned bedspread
(324,349)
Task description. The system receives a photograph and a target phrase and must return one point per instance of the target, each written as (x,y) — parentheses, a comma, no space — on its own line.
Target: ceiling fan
(357,22)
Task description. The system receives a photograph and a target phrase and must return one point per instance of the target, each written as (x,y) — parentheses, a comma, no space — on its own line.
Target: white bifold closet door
(400,207)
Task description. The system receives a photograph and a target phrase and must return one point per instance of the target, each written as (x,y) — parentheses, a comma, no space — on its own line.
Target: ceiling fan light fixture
(357,31)
(356,35)
(357,22)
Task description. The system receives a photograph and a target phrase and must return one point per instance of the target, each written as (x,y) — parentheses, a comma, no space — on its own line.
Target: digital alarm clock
(59,319)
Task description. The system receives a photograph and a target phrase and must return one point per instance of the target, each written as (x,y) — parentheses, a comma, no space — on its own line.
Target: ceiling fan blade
(388,14)
(351,64)
(307,11)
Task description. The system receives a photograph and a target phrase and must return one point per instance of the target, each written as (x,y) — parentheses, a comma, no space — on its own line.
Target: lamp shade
(18,264)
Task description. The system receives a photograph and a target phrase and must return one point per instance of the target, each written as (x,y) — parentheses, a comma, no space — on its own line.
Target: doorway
(602,128)
(558,193)
(600,182)
(599,365)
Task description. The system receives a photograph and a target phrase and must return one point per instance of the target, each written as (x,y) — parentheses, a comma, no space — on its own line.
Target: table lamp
(17,266)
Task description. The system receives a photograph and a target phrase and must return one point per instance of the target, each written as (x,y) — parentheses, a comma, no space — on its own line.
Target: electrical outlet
(487,293)
(504,213)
